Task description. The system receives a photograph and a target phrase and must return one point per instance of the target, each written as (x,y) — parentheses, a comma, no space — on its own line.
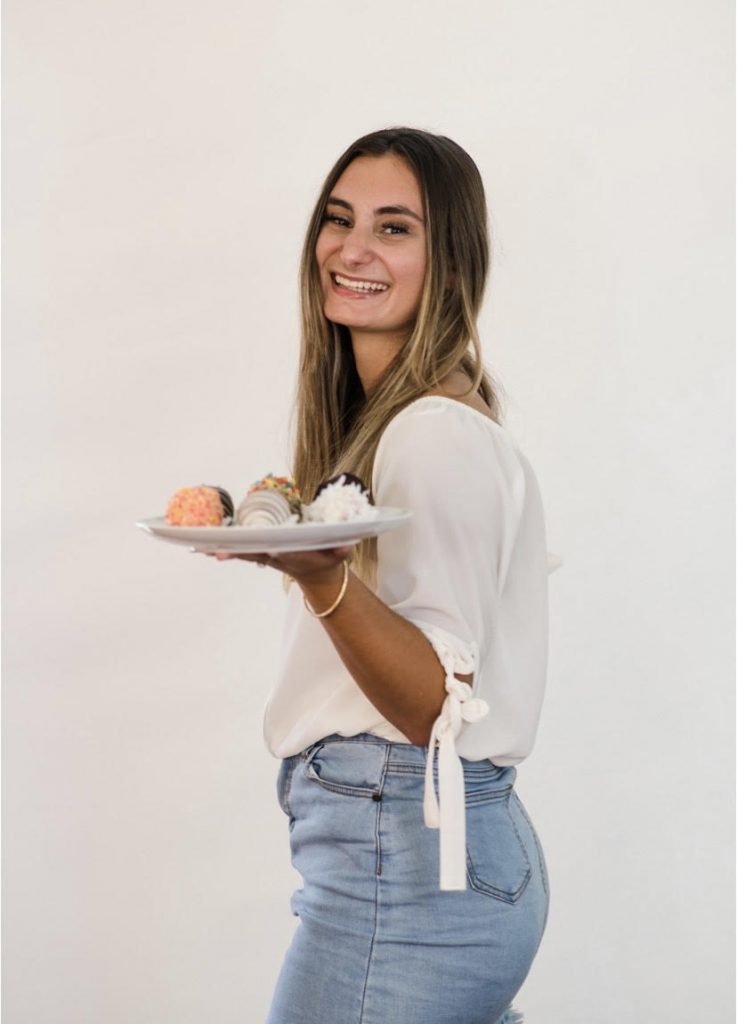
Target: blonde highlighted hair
(337,427)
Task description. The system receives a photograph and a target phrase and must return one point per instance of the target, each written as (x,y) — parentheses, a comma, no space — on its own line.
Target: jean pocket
(496,857)
(348,769)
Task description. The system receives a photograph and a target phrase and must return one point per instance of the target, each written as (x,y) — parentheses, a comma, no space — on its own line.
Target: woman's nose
(356,248)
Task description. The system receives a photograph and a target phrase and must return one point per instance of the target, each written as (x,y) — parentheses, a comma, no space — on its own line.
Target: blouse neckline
(455,402)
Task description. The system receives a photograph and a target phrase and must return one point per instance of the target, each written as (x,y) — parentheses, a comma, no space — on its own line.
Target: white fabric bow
(450,814)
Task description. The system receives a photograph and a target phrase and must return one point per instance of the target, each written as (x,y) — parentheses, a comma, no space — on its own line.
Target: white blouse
(470,570)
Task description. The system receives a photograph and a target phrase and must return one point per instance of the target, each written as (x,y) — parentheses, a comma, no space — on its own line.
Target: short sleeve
(459,475)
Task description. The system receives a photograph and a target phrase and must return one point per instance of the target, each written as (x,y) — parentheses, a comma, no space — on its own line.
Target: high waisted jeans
(377,941)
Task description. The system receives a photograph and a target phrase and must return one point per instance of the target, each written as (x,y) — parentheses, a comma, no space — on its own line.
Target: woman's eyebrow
(382,209)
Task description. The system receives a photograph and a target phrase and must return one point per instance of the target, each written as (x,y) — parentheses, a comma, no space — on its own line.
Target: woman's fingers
(295,563)
(223,556)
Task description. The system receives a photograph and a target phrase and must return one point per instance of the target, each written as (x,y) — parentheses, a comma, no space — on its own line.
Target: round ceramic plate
(267,539)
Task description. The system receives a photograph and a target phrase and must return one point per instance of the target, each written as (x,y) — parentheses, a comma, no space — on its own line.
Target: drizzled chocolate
(226,501)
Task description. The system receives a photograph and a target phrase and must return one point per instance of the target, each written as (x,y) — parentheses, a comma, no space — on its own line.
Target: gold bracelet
(321,615)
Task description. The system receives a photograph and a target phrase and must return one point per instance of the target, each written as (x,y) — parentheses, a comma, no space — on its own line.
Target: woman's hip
(360,843)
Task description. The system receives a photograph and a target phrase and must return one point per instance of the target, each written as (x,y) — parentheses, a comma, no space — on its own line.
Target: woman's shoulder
(447,439)
(457,386)
(447,408)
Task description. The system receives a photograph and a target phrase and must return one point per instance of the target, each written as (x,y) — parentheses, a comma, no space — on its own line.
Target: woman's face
(371,247)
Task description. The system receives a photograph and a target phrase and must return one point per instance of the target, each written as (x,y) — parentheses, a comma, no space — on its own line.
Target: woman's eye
(334,218)
(396,229)
(389,228)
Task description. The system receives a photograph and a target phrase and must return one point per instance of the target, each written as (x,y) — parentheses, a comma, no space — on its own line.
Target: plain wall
(161,161)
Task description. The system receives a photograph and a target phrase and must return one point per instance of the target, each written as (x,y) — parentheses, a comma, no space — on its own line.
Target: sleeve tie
(449,813)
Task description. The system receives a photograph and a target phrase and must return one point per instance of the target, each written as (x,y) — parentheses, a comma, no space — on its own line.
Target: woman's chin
(347,319)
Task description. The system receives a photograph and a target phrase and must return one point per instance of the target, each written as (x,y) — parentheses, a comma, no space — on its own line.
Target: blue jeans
(377,941)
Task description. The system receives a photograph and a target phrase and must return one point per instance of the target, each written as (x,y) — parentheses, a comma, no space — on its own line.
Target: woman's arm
(389,657)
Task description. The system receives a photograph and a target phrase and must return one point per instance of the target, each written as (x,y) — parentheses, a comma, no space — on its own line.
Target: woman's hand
(303,566)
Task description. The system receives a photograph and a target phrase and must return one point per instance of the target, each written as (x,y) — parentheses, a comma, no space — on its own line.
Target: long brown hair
(338,427)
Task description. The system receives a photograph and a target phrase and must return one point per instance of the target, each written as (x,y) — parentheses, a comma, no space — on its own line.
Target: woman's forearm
(389,657)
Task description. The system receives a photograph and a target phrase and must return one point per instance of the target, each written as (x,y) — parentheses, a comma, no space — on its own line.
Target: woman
(414,676)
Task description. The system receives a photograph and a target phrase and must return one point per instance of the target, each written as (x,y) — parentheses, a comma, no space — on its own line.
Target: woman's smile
(354,287)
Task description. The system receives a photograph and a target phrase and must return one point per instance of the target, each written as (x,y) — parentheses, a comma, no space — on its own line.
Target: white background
(161,161)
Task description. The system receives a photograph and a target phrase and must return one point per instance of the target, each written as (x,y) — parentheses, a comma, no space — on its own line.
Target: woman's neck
(372,353)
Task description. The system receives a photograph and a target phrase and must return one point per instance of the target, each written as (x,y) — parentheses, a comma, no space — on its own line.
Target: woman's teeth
(360,286)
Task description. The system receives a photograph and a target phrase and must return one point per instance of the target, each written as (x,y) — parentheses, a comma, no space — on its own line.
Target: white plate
(293,537)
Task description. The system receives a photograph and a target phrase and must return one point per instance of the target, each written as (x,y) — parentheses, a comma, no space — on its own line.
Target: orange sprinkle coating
(195,506)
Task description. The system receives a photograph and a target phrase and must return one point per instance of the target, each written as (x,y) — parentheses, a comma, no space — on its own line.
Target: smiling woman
(411,683)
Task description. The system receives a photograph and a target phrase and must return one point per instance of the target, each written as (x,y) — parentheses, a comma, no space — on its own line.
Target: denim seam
(371,950)
(487,797)
(376,891)
(288,788)
(537,845)
(336,787)
(380,793)
(405,768)
(402,768)
(543,874)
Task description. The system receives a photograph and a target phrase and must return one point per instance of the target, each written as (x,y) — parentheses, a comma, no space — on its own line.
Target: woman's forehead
(385,180)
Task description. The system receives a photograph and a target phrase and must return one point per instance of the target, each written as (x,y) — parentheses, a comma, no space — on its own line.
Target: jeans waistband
(400,753)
